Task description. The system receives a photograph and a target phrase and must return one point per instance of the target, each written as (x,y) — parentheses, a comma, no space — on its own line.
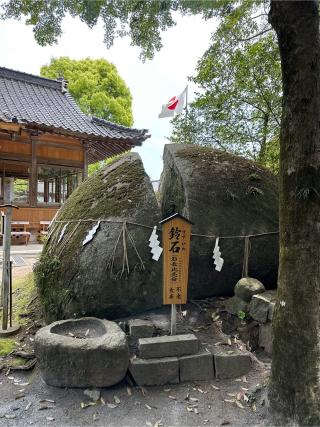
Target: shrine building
(47,143)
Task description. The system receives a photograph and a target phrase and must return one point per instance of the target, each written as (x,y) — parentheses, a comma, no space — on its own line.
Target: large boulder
(223,195)
(76,280)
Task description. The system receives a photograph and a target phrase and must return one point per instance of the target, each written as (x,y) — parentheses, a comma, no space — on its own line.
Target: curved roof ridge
(30,78)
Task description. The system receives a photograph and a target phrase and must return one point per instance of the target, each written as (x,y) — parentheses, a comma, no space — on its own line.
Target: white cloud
(151,83)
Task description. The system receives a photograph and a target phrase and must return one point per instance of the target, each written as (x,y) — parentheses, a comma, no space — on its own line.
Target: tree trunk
(295,379)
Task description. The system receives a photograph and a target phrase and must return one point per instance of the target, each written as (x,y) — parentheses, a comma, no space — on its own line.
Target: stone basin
(86,352)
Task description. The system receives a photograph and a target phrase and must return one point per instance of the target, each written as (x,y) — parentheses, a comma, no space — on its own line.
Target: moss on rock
(73,280)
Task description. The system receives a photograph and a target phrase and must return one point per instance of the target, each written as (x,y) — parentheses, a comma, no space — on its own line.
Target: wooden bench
(19,231)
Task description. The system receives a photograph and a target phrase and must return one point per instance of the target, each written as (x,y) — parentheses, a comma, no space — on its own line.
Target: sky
(151,83)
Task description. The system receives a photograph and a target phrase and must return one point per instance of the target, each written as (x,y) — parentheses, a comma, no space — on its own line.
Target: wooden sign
(176,231)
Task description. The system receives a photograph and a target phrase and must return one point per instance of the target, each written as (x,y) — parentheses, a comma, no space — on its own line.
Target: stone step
(155,371)
(168,346)
(229,364)
(139,328)
(196,367)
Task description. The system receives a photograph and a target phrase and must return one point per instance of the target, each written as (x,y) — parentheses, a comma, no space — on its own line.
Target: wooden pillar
(85,161)
(34,176)
(69,185)
(57,189)
(46,190)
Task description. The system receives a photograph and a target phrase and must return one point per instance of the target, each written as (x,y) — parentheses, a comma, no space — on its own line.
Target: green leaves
(96,86)
(238,107)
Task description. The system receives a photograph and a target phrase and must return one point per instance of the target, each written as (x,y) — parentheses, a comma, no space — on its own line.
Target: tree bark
(295,379)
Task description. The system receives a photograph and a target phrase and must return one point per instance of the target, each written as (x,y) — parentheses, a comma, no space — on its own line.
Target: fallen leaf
(230,352)
(70,334)
(28,406)
(44,407)
(87,332)
(23,384)
(239,404)
(157,423)
(49,418)
(9,416)
(116,399)
(112,405)
(167,389)
(244,379)
(244,389)
(189,409)
(172,397)
(129,391)
(102,401)
(238,379)
(229,341)
(194,399)
(205,421)
(85,405)
(239,396)
(231,394)
(47,400)
(215,387)
(254,408)
(200,390)
(196,411)
(245,398)
(10,378)
(229,400)
(149,424)
(19,396)
(21,390)
(143,391)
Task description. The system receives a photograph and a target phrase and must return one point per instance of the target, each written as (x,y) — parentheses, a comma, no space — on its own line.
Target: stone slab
(266,337)
(196,367)
(234,305)
(139,328)
(260,306)
(155,371)
(230,365)
(168,346)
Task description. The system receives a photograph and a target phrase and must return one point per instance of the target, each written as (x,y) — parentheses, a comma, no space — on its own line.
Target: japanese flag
(175,105)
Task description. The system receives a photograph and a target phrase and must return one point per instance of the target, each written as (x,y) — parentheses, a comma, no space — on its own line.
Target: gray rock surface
(261,306)
(139,328)
(155,371)
(234,305)
(196,367)
(76,280)
(266,337)
(167,346)
(230,364)
(247,287)
(85,352)
(223,195)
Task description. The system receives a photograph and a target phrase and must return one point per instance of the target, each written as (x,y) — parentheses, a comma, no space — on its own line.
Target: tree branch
(255,35)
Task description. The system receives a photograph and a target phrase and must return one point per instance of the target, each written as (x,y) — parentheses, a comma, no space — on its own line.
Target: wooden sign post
(176,232)
(6,287)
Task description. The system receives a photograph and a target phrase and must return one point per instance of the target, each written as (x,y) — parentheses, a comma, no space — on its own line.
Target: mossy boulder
(76,280)
(223,195)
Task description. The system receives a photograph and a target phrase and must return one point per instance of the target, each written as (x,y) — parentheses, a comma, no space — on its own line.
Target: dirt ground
(26,400)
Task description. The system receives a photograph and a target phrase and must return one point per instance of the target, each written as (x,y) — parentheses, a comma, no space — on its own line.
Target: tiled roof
(45,104)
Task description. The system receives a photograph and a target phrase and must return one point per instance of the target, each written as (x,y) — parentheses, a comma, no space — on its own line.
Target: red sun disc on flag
(173,102)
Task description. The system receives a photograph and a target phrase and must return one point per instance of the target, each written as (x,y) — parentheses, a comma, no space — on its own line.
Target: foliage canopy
(96,87)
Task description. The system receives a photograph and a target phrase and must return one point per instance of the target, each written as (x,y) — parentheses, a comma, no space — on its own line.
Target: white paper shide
(91,234)
(218,261)
(154,244)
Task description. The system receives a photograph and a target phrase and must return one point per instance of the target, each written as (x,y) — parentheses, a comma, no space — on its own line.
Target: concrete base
(139,328)
(231,365)
(9,331)
(197,367)
(155,371)
(168,346)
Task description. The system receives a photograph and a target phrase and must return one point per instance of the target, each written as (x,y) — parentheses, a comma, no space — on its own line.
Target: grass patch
(24,302)
(6,346)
